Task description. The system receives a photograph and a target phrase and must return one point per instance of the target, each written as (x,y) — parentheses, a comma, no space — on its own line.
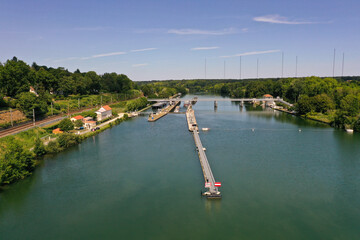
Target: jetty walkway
(210,184)
(156,116)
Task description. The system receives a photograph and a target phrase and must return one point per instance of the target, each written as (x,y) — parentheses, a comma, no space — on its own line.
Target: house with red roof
(78,117)
(57,131)
(268,96)
(103,113)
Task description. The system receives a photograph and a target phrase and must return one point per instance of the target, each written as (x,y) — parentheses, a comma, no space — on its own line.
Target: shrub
(67,140)
(39,148)
(66,125)
(16,163)
(53,147)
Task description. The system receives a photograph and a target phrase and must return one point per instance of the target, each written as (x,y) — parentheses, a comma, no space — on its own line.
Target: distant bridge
(226,100)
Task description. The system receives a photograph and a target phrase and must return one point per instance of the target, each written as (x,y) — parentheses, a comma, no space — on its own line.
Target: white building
(103,113)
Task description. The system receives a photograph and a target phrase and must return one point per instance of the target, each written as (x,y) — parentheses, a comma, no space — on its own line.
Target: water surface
(142,180)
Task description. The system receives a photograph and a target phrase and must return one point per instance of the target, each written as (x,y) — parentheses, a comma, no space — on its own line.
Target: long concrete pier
(153,117)
(213,191)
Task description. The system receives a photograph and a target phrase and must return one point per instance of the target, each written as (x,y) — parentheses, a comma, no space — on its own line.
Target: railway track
(29,125)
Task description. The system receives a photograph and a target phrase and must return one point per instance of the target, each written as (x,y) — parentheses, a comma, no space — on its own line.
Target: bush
(79,123)
(66,125)
(136,104)
(39,148)
(16,163)
(67,140)
(53,147)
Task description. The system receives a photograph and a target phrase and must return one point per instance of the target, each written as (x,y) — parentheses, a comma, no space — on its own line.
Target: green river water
(142,180)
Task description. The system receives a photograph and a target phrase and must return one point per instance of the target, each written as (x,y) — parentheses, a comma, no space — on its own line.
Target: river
(282,178)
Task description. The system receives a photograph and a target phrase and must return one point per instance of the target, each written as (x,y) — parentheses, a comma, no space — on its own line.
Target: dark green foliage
(67,140)
(16,163)
(53,147)
(350,104)
(27,101)
(79,123)
(66,125)
(357,125)
(39,148)
(304,105)
(16,77)
(136,104)
(322,103)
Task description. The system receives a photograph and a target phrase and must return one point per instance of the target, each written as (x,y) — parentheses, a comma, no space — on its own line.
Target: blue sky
(167,39)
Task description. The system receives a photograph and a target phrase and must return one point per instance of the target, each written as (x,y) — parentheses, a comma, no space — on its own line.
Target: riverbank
(313,118)
(21,153)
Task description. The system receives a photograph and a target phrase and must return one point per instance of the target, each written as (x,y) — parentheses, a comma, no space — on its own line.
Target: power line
(240,68)
(342,68)
(334,63)
(282,64)
(296,66)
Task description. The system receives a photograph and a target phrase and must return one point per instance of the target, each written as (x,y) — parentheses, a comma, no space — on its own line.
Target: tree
(357,125)
(27,101)
(15,77)
(16,163)
(322,103)
(67,140)
(350,104)
(304,105)
(66,125)
(39,148)
(79,123)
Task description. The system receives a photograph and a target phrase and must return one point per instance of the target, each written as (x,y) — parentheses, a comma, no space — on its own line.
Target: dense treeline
(16,78)
(337,100)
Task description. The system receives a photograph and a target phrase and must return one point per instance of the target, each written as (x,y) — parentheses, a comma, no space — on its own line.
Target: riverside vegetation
(335,101)
(57,91)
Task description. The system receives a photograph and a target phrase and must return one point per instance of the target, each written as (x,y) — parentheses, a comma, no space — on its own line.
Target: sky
(168,39)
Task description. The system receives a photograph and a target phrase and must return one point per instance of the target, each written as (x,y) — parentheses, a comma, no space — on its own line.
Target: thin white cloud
(280,20)
(190,31)
(251,53)
(143,50)
(98,28)
(104,55)
(66,59)
(140,65)
(203,48)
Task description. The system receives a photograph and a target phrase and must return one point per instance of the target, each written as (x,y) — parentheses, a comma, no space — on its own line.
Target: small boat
(205,129)
(349,130)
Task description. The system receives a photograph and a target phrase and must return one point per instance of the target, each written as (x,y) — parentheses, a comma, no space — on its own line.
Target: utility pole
(101,100)
(68,108)
(240,68)
(34,116)
(296,64)
(342,68)
(11,117)
(257,68)
(52,112)
(224,68)
(78,103)
(334,63)
(282,64)
(205,68)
